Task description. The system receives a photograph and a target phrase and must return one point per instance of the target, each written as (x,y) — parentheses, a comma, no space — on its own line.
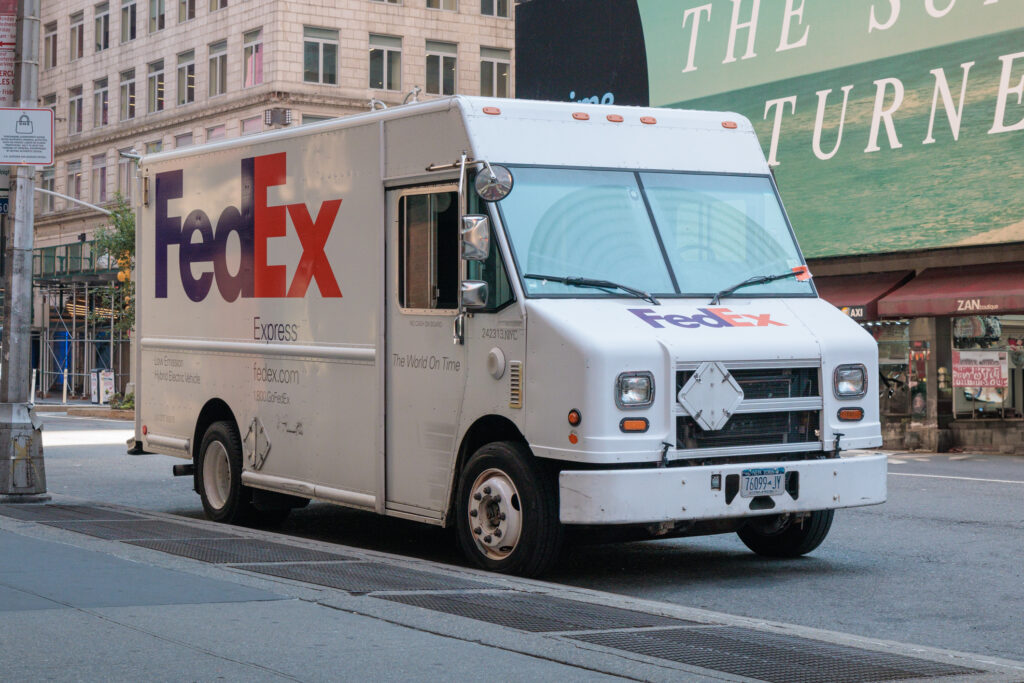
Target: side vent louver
(515,384)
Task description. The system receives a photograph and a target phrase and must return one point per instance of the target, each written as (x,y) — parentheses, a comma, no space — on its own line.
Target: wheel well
(215,410)
(485,430)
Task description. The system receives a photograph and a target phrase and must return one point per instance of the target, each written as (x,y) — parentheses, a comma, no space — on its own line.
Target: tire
(506,511)
(219,480)
(793,539)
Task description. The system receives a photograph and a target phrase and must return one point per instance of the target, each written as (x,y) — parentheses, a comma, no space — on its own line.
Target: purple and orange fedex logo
(708,317)
(254,223)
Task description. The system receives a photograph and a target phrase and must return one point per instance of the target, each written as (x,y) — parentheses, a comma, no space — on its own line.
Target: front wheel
(507,511)
(781,537)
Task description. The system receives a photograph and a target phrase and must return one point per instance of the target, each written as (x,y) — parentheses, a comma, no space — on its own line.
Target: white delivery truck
(502,315)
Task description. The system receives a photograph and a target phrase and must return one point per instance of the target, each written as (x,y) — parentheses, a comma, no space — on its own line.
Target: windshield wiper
(599,284)
(800,273)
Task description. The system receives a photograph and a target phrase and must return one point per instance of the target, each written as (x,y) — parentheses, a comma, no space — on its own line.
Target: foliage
(119,402)
(115,243)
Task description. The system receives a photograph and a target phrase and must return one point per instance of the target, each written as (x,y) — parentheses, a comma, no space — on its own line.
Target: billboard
(891,124)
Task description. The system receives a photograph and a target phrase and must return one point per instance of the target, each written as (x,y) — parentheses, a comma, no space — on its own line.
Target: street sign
(26,136)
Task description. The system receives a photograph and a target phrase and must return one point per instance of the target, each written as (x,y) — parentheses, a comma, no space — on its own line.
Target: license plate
(764,481)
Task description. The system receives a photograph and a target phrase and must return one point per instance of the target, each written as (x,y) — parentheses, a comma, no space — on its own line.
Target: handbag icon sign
(24,125)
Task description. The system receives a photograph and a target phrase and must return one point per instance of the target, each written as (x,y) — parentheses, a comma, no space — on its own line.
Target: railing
(65,260)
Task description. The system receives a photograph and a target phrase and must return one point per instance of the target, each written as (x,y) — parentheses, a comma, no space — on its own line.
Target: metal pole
(22,475)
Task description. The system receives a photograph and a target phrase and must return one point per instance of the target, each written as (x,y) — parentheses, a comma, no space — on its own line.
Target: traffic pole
(22,474)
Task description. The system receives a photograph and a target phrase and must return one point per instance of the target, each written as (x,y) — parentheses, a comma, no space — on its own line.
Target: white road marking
(939,476)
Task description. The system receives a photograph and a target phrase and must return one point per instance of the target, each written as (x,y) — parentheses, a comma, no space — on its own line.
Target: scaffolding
(77,333)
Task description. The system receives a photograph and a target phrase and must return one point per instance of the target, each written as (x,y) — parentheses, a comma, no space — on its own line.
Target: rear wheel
(507,511)
(780,536)
(219,480)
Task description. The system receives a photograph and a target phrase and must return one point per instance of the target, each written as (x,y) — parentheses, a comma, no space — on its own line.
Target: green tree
(115,243)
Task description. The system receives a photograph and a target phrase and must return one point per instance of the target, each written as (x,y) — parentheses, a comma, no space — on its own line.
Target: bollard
(64,401)
(32,396)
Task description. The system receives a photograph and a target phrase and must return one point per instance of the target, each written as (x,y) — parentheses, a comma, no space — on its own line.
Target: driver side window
(428,253)
(492,270)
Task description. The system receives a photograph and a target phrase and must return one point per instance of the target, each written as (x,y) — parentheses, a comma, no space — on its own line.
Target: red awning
(988,289)
(858,295)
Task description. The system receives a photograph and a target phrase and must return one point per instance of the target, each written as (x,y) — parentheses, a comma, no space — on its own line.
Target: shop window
(987,374)
(893,366)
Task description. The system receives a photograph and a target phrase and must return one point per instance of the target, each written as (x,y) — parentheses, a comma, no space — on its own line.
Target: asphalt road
(940,564)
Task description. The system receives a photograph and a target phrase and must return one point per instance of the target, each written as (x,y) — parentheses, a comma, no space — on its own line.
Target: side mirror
(476,237)
(493,183)
(474,294)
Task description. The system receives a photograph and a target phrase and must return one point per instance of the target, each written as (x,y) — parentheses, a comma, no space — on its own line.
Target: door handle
(458,326)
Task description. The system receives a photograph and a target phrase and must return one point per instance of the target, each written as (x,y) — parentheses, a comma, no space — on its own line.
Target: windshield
(716,230)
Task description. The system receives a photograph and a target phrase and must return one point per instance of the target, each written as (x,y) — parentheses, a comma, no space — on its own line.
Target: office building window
(75,110)
(50,101)
(74,186)
(99,178)
(50,45)
(157,15)
(494,8)
(252,125)
(218,68)
(187,77)
(154,146)
(76,49)
(186,10)
(495,67)
(216,132)
(441,4)
(320,55)
(46,203)
(385,62)
(389,2)
(128,11)
(252,57)
(441,61)
(127,101)
(218,4)
(100,103)
(155,87)
(125,174)
(182,140)
(102,26)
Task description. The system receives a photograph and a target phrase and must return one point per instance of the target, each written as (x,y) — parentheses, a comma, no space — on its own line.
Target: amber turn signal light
(634,424)
(575,418)
(851,414)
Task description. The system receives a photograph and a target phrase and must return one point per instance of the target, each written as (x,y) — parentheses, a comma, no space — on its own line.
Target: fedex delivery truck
(505,316)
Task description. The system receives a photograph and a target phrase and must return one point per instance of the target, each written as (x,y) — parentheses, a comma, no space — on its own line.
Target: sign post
(22,475)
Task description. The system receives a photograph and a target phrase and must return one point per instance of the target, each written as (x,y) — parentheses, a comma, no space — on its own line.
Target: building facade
(140,76)
(894,131)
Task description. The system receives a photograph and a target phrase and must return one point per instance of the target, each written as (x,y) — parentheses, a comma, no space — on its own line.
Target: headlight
(634,390)
(850,381)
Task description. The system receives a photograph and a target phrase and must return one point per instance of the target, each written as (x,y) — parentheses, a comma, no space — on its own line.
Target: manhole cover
(534,612)
(144,528)
(363,577)
(773,657)
(232,550)
(29,512)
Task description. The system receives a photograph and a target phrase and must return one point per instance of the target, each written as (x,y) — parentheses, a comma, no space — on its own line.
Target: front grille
(751,429)
(765,383)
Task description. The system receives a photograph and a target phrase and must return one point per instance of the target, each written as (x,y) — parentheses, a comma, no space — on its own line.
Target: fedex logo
(709,317)
(254,223)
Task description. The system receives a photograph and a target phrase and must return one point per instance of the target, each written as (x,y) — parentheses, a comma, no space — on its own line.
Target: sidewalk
(94,592)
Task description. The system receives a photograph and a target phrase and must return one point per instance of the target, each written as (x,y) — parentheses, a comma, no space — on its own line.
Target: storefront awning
(989,289)
(858,295)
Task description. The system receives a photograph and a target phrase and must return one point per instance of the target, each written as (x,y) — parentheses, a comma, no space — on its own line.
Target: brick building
(152,75)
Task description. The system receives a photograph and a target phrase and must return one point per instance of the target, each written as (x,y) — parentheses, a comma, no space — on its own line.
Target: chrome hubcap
(216,475)
(495,515)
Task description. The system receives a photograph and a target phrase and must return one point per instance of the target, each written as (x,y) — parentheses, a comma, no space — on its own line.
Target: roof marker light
(614,118)
(581,116)
(731,125)
(493,111)
(649,120)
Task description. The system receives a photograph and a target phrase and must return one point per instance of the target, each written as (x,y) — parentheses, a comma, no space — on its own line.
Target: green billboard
(891,124)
